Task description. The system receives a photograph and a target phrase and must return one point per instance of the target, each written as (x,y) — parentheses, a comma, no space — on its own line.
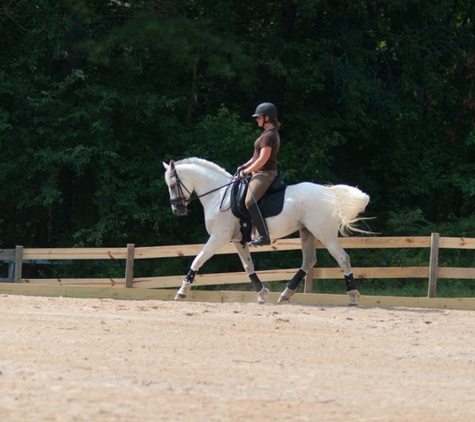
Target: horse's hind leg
(309,255)
(343,260)
(245,256)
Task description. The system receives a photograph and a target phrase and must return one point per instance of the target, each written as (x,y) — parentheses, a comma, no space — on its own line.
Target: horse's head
(180,193)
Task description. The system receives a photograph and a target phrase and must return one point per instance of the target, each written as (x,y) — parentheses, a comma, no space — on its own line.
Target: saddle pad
(270,205)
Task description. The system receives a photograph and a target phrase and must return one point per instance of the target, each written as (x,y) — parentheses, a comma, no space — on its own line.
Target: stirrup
(260,241)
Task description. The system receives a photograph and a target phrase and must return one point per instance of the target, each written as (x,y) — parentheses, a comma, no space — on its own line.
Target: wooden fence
(18,256)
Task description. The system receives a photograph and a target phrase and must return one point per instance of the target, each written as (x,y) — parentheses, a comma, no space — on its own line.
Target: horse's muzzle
(179,206)
(179,210)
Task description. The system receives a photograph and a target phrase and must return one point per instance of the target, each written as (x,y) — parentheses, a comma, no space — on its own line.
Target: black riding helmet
(266,109)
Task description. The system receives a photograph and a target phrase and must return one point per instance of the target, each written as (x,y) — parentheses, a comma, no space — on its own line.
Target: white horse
(316,211)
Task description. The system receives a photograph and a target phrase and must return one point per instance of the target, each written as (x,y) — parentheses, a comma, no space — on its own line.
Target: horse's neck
(206,179)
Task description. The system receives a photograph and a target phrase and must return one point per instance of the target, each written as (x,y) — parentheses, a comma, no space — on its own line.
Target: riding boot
(261,226)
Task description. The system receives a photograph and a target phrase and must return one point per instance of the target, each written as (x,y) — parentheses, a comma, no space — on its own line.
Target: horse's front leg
(246,260)
(210,248)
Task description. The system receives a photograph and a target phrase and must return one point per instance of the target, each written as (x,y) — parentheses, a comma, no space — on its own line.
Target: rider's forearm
(263,158)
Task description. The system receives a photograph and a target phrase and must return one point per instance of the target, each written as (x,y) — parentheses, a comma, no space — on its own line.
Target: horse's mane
(204,163)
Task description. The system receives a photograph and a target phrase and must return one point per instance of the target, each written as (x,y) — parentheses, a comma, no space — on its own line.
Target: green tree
(94,95)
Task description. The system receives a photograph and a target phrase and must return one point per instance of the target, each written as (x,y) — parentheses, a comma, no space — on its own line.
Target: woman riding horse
(262,166)
(338,209)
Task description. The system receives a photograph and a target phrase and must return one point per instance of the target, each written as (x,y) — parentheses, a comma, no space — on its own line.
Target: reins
(192,196)
(234,180)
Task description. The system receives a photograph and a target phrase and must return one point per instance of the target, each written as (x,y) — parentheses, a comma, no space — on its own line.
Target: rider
(262,166)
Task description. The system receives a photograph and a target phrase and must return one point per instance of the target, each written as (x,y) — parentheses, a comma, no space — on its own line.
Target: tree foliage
(94,95)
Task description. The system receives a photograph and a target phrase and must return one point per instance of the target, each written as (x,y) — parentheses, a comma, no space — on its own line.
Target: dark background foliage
(94,95)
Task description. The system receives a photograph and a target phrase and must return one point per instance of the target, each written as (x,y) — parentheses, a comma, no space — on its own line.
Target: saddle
(270,205)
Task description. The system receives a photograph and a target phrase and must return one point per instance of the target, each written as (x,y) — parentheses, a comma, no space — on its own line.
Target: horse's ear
(169,166)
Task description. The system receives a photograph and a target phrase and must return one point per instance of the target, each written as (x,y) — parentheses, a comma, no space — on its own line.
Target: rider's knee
(248,202)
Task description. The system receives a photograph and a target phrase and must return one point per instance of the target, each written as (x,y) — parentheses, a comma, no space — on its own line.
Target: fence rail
(18,256)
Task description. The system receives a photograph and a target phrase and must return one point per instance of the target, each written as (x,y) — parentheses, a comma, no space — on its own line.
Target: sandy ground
(64,359)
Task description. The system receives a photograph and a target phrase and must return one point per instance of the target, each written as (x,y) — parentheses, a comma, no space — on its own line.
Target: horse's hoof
(354,293)
(353,296)
(285,296)
(262,296)
(184,289)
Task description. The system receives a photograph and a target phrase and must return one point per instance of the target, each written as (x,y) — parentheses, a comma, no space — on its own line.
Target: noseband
(181,199)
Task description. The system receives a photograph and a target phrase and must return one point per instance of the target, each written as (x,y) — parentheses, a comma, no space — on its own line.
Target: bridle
(181,198)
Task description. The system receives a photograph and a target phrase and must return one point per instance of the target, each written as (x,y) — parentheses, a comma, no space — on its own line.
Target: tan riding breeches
(258,185)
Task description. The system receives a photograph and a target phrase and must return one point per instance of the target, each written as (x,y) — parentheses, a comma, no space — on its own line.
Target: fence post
(308,282)
(129,266)
(18,264)
(433,265)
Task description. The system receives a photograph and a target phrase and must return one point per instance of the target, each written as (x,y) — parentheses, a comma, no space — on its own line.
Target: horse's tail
(348,202)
